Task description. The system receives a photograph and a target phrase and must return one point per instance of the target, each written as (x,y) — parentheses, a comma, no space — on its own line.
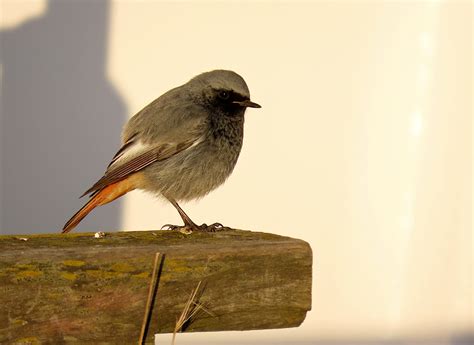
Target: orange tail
(104,196)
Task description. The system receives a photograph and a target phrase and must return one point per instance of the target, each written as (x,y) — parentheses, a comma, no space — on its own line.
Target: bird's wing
(134,156)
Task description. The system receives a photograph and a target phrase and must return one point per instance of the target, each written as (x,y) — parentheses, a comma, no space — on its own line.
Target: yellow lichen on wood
(73,263)
(142,275)
(68,275)
(27,341)
(28,274)
(122,267)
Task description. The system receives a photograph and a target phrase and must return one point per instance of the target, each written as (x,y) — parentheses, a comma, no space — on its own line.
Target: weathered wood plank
(79,289)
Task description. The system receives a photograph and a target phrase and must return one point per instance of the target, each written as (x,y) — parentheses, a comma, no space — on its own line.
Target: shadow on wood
(77,288)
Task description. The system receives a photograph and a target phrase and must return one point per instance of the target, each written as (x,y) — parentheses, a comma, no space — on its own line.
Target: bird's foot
(188,229)
(184,229)
(213,227)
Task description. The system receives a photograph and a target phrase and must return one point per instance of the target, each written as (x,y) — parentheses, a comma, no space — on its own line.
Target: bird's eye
(224,95)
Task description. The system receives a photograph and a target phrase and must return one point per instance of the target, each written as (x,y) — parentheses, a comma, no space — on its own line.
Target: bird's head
(223,91)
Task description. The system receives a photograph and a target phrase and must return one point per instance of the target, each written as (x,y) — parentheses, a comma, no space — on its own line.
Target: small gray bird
(181,146)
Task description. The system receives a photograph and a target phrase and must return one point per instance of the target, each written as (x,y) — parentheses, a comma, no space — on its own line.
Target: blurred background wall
(56,104)
(363,146)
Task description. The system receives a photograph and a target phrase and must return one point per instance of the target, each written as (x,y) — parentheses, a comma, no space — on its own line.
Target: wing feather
(123,149)
(119,170)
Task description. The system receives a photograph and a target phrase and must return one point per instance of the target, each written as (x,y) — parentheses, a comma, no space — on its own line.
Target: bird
(180,147)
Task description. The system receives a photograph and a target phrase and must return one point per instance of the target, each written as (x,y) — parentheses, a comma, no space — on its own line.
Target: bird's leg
(189,225)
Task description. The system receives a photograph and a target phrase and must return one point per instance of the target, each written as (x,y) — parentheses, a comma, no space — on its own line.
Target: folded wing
(133,156)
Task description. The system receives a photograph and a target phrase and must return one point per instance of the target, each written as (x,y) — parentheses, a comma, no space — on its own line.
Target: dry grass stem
(146,317)
(191,308)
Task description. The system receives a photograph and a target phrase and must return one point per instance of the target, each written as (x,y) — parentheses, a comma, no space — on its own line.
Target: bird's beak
(247,103)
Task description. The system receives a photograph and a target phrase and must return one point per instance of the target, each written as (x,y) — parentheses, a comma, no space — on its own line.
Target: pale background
(363,146)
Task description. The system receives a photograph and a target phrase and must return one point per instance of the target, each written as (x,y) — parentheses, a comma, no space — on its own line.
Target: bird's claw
(186,229)
(182,229)
(169,227)
(213,227)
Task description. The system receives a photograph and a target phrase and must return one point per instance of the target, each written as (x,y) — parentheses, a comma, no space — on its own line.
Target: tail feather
(102,197)
(81,214)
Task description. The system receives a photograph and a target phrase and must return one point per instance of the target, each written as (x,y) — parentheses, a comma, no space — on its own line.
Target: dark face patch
(224,101)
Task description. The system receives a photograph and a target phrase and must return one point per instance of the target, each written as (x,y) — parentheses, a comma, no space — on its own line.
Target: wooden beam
(77,288)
